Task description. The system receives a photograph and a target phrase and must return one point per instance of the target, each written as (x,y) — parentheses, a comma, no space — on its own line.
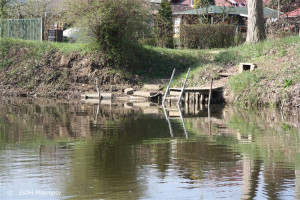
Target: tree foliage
(113,25)
(163,30)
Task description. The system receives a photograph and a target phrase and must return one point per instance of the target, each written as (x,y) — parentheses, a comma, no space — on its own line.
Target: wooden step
(174,93)
(174,114)
(226,74)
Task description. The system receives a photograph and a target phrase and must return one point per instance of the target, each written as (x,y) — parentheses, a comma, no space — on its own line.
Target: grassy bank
(53,67)
(64,67)
(276,80)
(158,62)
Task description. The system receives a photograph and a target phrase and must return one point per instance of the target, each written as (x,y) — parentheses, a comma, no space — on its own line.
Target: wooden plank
(174,93)
(144,104)
(227,74)
(197,89)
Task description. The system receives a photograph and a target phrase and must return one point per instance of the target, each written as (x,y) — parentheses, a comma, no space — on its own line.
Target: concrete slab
(95,96)
(144,104)
(247,67)
(136,98)
(150,110)
(152,87)
(146,94)
(96,101)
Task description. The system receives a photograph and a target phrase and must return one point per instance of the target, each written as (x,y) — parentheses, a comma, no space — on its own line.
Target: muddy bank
(55,74)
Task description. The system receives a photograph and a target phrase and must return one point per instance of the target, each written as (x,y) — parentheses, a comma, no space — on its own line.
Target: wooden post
(210,89)
(202,99)
(98,89)
(42,29)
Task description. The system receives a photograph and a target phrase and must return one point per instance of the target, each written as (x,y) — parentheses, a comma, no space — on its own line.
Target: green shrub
(202,36)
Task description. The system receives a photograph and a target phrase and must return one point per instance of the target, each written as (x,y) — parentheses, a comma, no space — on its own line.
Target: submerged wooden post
(209,97)
(98,89)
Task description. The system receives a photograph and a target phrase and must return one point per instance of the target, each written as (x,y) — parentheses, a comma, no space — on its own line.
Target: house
(231,15)
(290,21)
(177,5)
(292,14)
(231,3)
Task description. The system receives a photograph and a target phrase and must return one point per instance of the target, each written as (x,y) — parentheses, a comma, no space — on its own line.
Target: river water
(81,151)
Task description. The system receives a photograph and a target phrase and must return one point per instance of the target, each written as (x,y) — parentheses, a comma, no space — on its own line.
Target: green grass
(245,80)
(142,61)
(255,52)
(39,47)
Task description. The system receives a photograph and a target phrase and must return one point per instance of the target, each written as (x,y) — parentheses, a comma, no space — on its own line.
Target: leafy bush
(115,26)
(202,36)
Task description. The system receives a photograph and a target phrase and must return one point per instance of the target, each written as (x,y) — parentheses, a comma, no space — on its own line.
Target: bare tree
(256,29)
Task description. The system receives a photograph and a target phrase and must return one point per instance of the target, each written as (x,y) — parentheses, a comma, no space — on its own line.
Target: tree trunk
(256,29)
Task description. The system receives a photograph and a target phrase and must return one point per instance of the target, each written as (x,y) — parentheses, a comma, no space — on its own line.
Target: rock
(129,91)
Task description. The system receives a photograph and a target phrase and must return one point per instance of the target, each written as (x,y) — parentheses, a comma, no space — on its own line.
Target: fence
(27,29)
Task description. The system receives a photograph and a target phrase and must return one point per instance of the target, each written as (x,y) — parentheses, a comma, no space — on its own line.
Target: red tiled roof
(238,3)
(294,13)
(180,8)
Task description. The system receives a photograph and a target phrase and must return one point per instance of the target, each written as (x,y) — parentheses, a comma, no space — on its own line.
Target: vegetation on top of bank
(256,52)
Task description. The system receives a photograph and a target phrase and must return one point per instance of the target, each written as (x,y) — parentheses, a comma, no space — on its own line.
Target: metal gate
(27,29)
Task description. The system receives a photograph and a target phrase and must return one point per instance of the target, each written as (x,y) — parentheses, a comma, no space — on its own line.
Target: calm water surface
(76,150)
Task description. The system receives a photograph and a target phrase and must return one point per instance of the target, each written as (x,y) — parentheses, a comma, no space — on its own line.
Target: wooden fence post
(210,89)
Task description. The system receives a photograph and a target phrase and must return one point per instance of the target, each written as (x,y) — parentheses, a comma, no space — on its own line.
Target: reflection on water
(76,150)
